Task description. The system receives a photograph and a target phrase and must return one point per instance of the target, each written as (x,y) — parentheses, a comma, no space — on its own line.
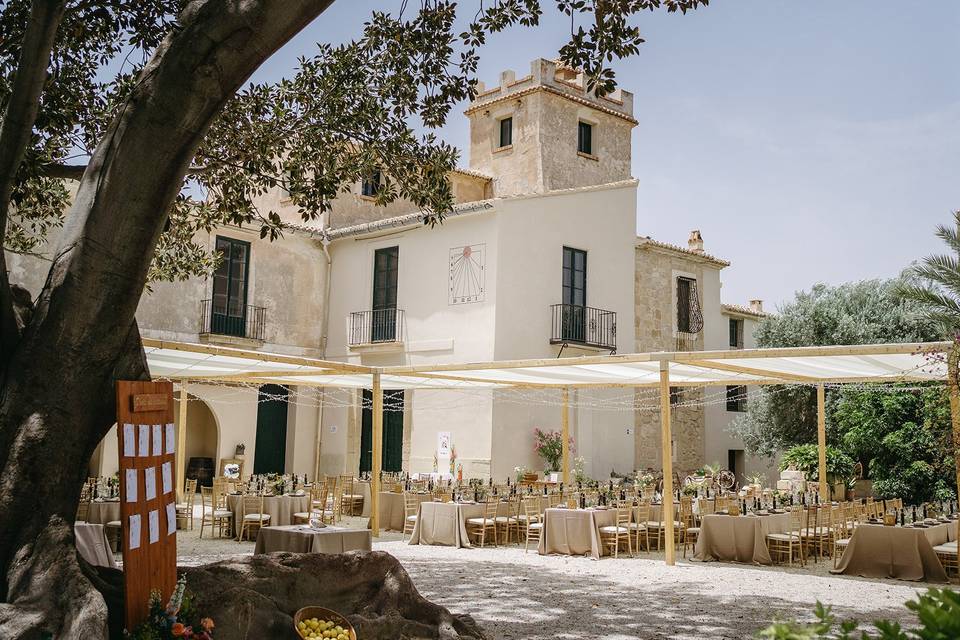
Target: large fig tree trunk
(56,399)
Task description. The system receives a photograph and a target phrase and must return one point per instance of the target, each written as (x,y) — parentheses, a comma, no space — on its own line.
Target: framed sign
(466,281)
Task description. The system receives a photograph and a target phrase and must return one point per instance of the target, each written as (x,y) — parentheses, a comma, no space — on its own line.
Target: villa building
(540,258)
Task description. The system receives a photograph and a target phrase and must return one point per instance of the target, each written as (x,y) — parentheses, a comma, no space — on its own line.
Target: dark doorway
(392,456)
(385,271)
(735,463)
(229,313)
(271,449)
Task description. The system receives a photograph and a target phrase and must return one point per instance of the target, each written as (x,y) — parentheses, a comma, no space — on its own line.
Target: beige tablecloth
(92,544)
(303,539)
(905,553)
(738,538)
(362,487)
(391,509)
(574,532)
(445,523)
(280,509)
(103,512)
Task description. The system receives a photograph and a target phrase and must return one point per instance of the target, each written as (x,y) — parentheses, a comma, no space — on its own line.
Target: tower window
(506,132)
(585,138)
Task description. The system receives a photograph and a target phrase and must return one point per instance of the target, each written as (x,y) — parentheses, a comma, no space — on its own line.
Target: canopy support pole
(666,445)
(822,441)
(565,429)
(182,440)
(954,410)
(377,455)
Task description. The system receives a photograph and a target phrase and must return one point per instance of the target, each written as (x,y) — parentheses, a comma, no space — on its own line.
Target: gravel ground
(530,597)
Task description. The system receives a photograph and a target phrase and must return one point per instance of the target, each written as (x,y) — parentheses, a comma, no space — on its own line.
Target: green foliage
(905,440)
(867,312)
(937,611)
(806,458)
(348,111)
(934,284)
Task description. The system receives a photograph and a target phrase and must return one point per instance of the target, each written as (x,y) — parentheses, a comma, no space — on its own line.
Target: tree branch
(18,120)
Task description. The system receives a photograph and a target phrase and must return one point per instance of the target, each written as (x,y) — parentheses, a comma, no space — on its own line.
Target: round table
(279,508)
(102,512)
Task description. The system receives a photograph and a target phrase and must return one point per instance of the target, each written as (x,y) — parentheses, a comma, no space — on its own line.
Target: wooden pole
(666,445)
(954,413)
(565,429)
(377,455)
(822,441)
(181,456)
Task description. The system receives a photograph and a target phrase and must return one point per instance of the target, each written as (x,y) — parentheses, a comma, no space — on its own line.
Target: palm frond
(942,270)
(951,235)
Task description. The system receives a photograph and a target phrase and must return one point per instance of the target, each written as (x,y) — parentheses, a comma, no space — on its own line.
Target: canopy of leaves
(806,458)
(348,110)
(867,312)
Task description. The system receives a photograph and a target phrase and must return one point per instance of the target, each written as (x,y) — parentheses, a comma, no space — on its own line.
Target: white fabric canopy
(802,365)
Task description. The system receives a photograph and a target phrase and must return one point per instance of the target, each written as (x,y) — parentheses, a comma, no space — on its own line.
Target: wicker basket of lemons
(317,623)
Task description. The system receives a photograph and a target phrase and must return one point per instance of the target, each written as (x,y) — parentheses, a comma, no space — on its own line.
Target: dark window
(385,270)
(685,292)
(371,185)
(506,132)
(574,294)
(736,398)
(585,138)
(229,313)
(676,396)
(736,333)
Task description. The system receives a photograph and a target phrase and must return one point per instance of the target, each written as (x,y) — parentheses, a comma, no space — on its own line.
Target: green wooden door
(392,456)
(271,450)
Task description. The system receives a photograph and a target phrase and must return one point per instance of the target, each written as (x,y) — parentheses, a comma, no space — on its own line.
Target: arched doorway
(203,440)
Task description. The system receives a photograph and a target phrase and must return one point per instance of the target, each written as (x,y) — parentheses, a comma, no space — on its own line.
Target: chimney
(756,306)
(695,241)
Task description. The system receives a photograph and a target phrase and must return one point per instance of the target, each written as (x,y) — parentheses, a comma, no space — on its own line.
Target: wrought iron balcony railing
(375,327)
(573,324)
(246,322)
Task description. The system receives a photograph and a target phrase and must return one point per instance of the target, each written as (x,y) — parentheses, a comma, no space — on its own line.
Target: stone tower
(544,132)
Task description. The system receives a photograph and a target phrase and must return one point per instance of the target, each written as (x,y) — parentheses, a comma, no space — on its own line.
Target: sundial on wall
(466,278)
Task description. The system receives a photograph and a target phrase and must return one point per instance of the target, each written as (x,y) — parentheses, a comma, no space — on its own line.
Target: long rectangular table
(304,539)
(738,538)
(575,532)
(904,553)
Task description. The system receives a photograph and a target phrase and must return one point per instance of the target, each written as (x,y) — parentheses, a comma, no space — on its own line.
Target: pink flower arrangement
(549,446)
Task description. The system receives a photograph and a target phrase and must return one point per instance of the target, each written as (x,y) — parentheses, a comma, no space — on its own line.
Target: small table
(279,508)
(738,538)
(904,553)
(103,511)
(305,539)
(93,545)
(575,532)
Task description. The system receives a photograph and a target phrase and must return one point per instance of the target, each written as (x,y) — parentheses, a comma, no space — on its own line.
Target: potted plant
(549,446)
(806,458)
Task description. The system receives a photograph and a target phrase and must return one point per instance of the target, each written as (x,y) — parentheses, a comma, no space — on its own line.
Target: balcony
(585,326)
(243,328)
(379,327)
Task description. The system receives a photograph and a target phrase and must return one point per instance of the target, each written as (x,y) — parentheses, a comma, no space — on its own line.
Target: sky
(808,141)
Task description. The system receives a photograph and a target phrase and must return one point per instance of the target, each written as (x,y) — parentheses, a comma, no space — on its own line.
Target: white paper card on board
(171,438)
(130,490)
(157,440)
(171,518)
(150,483)
(167,473)
(129,441)
(135,531)
(154,520)
(143,450)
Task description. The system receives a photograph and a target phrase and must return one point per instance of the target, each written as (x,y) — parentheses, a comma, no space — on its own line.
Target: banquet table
(905,553)
(574,532)
(391,509)
(738,538)
(305,539)
(279,508)
(445,523)
(102,512)
(93,545)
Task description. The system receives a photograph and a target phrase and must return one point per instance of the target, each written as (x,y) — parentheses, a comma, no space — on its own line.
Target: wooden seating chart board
(148,496)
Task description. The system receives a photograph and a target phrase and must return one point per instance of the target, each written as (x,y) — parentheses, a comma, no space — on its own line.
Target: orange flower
(177,629)
(207,624)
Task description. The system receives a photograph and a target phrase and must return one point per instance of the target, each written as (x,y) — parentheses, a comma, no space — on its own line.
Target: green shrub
(806,458)
(938,613)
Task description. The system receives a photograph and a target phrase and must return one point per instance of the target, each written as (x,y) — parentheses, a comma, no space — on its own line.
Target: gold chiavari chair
(641,517)
(318,503)
(184,506)
(789,542)
(252,516)
(83,507)
(688,530)
(211,513)
(531,521)
(612,535)
(488,522)
(411,507)
(510,521)
(350,500)
(816,532)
